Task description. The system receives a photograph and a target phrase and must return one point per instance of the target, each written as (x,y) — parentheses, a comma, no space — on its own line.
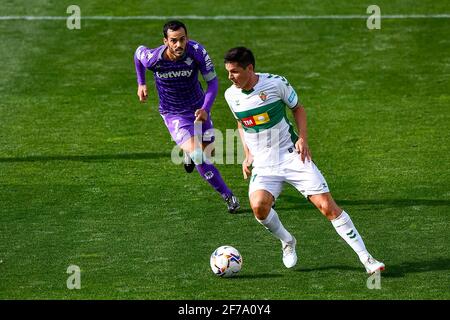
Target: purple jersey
(179,88)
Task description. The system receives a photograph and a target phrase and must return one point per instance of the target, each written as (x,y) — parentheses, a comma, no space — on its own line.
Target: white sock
(345,228)
(274,225)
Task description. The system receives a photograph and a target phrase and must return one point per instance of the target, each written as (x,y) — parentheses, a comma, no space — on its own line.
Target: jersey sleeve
(143,58)
(228,99)
(287,92)
(203,60)
(146,56)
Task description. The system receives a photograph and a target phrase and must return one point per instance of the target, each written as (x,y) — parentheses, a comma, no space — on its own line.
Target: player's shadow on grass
(258,276)
(382,202)
(328,268)
(243,211)
(392,271)
(90,158)
(395,202)
(400,270)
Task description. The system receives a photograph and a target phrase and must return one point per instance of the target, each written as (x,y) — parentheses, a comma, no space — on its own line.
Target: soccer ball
(226,261)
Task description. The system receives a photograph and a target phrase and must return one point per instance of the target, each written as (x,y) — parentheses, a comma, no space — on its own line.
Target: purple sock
(210,173)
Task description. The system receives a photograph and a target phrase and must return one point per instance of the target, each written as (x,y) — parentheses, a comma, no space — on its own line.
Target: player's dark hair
(243,56)
(173,25)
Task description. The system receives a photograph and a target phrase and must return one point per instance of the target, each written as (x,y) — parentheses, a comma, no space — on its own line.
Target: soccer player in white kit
(277,154)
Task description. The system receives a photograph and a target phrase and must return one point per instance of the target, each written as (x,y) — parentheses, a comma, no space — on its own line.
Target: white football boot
(289,254)
(373,265)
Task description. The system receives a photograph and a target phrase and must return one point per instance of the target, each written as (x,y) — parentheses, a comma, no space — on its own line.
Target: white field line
(195,17)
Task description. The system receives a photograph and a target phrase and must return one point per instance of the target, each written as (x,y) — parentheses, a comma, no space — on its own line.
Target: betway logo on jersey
(174,74)
(256,120)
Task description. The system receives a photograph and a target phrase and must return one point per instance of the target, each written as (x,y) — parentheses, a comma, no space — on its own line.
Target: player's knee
(260,208)
(328,209)
(208,149)
(197,156)
(322,206)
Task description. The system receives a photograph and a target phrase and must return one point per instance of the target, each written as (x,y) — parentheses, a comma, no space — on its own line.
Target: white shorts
(305,177)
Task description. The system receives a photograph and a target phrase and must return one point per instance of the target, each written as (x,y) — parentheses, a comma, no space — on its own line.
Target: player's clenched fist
(201,115)
(142,92)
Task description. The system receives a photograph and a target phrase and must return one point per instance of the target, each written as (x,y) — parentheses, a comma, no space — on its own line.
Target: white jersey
(268,133)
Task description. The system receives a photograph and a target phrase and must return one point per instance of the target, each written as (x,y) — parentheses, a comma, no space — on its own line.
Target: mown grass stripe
(275,17)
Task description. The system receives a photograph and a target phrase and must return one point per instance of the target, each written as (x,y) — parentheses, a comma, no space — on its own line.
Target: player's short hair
(173,25)
(243,56)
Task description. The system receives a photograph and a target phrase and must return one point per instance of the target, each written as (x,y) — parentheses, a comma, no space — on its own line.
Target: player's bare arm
(247,163)
(302,143)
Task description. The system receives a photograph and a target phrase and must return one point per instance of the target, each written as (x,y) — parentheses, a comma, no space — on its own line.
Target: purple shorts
(182,128)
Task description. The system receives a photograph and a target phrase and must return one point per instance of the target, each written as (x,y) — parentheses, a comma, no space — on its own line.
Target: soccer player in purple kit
(184,106)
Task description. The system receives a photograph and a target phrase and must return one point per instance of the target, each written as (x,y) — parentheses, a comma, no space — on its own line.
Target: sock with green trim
(345,228)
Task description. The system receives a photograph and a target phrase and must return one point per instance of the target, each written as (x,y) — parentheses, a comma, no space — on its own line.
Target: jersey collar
(252,89)
(247,91)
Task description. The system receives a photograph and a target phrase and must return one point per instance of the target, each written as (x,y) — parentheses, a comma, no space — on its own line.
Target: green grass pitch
(86,177)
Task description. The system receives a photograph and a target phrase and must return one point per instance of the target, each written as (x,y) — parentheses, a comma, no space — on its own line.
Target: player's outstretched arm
(302,143)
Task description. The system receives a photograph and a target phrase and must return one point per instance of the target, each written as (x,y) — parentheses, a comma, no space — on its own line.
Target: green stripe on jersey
(276,111)
(294,135)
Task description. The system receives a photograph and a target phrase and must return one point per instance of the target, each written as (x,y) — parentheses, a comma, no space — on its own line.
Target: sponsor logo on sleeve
(209,64)
(292,96)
